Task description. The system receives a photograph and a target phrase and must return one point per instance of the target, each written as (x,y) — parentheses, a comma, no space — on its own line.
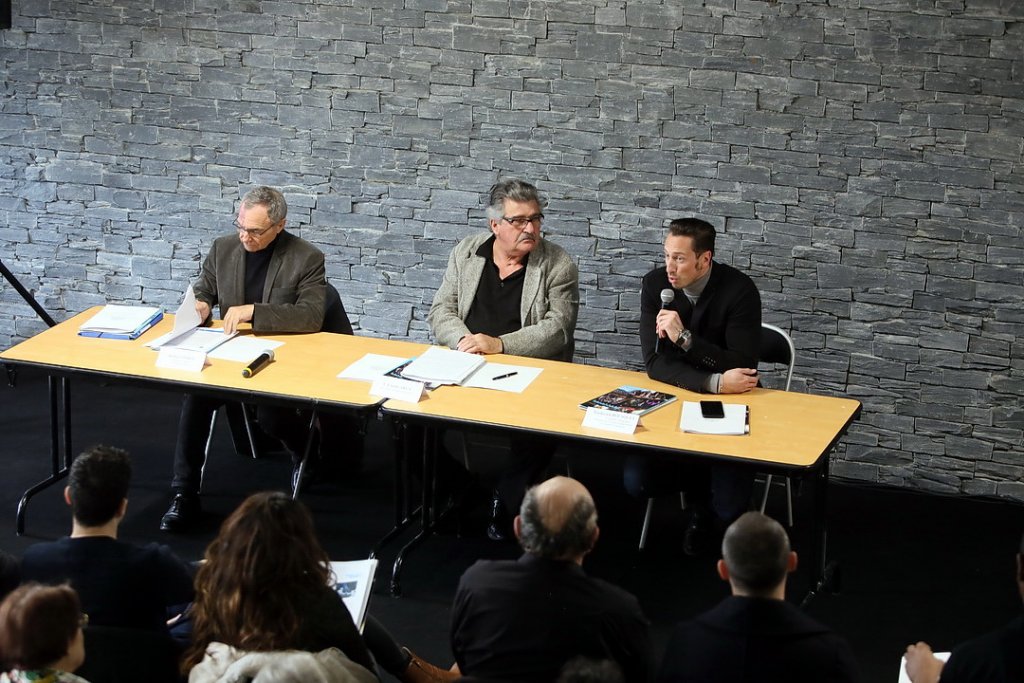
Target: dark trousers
(723,489)
(288,425)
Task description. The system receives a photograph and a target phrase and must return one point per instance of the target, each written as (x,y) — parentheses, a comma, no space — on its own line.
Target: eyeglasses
(83,620)
(251,232)
(520,222)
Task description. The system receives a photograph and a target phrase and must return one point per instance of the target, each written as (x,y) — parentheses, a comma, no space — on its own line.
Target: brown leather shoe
(420,671)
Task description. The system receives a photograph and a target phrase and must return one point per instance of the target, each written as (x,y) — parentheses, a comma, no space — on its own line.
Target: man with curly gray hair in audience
(522,620)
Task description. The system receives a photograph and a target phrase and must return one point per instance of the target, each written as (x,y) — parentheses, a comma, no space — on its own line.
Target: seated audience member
(120,584)
(264,587)
(755,635)
(522,620)
(41,635)
(996,657)
(10,573)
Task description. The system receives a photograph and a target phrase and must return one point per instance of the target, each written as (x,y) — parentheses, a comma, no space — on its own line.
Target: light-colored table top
(305,368)
(786,428)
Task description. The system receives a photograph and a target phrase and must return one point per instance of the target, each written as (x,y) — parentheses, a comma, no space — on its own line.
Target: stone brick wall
(862,159)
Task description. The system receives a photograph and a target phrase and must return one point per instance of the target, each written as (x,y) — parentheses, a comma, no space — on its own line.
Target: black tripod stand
(60,409)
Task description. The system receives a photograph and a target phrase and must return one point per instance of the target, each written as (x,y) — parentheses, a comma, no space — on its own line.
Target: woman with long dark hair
(264,587)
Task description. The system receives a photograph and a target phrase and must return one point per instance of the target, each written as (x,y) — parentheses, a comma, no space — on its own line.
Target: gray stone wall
(862,159)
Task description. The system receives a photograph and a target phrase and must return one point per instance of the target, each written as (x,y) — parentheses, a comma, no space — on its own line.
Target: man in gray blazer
(510,291)
(273,280)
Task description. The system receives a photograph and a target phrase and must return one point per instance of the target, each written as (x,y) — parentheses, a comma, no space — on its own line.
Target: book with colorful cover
(629,399)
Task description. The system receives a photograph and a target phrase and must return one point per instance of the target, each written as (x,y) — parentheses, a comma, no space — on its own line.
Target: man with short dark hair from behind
(522,620)
(755,635)
(120,584)
(996,657)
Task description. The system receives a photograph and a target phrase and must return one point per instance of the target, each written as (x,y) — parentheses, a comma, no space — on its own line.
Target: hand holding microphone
(667,297)
(261,361)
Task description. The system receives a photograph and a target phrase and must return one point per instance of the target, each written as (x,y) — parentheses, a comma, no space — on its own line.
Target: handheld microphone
(667,297)
(261,361)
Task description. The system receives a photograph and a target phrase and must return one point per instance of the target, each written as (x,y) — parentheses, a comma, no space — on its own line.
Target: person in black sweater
(120,584)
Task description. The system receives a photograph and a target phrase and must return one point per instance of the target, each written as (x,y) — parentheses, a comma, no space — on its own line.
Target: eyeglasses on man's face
(520,222)
(250,232)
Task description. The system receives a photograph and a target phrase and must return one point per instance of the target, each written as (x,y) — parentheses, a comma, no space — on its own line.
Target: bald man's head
(558,520)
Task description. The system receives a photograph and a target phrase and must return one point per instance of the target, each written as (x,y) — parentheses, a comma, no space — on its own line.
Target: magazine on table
(630,399)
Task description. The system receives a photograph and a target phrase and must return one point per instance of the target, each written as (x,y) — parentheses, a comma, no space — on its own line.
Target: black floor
(912,566)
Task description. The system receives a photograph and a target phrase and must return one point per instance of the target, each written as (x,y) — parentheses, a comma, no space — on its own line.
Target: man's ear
(67,495)
(1020,567)
(723,571)
(593,538)
(517,526)
(122,508)
(791,562)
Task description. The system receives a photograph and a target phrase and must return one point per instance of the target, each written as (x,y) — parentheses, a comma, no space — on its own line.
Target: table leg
(60,457)
(824,574)
(404,514)
(427,505)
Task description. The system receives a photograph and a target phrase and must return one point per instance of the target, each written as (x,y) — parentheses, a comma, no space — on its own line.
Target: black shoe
(699,535)
(498,530)
(182,515)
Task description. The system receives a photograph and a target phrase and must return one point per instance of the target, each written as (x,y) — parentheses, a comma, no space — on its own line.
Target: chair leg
(647,523)
(249,431)
(206,449)
(789,501)
(764,496)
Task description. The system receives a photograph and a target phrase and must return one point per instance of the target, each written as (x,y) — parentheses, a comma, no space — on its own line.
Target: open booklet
(187,333)
(353,581)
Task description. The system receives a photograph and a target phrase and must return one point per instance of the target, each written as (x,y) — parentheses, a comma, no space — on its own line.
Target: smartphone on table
(712,409)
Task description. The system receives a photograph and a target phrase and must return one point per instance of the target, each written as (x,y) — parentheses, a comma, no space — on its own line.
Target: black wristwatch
(684,339)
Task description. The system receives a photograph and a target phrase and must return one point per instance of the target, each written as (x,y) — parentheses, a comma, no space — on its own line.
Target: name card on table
(174,358)
(398,389)
(611,420)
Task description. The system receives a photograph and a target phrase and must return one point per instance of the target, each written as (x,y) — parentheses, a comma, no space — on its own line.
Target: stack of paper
(443,366)
(115,321)
(353,580)
(187,333)
(735,421)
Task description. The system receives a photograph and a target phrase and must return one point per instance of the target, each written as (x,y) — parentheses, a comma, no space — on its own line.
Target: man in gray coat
(273,280)
(510,291)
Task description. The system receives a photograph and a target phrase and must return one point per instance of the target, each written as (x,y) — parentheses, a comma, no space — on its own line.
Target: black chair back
(335,318)
(774,347)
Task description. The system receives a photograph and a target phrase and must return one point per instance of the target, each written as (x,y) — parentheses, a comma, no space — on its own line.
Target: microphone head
(270,353)
(668,296)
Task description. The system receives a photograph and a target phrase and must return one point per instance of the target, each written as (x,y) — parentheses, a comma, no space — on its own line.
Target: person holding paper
(996,657)
(703,336)
(755,635)
(510,291)
(261,275)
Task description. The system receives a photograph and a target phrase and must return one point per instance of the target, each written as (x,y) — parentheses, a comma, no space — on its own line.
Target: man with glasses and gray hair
(272,279)
(508,290)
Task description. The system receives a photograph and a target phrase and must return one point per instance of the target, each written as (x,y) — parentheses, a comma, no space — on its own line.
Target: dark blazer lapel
(232,291)
(274,267)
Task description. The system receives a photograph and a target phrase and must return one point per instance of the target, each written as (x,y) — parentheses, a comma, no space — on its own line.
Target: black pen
(505,376)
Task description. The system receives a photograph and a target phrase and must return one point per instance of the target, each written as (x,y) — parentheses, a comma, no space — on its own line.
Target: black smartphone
(712,409)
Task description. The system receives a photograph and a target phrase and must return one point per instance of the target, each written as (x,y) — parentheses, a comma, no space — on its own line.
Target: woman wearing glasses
(41,635)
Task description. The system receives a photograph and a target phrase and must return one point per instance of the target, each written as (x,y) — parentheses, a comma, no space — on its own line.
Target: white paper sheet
(243,349)
(371,367)
(437,365)
(511,378)
(353,581)
(904,678)
(734,423)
